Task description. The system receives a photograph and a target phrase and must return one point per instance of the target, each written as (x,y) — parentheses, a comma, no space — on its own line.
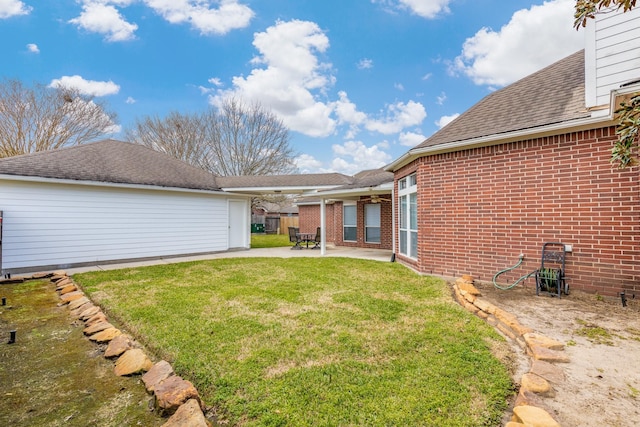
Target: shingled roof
(272,181)
(367,178)
(554,94)
(110,161)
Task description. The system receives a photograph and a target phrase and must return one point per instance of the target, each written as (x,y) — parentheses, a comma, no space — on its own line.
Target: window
(349,224)
(372,223)
(408,216)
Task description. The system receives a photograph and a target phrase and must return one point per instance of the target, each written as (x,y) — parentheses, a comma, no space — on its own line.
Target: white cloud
(410,139)
(308,164)
(398,86)
(32,47)
(365,64)
(533,39)
(353,157)
(230,15)
(441,98)
(425,8)
(130,100)
(445,120)
(215,81)
(291,78)
(9,8)
(427,76)
(398,117)
(86,87)
(103,18)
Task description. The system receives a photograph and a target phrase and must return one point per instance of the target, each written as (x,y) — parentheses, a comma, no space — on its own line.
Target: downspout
(323,228)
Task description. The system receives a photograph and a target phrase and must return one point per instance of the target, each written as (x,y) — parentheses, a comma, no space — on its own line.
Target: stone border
(173,395)
(544,353)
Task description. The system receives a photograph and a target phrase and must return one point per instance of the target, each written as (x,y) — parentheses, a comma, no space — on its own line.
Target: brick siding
(479,209)
(310,219)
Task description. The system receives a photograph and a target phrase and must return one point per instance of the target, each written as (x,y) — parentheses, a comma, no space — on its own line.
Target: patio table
(306,237)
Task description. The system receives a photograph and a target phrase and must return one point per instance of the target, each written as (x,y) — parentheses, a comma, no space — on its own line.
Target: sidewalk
(284,252)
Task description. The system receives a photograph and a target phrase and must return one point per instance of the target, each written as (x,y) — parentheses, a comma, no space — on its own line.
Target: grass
(314,341)
(594,333)
(269,241)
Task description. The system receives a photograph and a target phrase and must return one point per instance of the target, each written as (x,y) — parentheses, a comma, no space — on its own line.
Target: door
(237,224)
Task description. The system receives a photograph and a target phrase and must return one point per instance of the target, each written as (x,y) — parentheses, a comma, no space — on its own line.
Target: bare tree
(235,139)
(45,118)
(178,135)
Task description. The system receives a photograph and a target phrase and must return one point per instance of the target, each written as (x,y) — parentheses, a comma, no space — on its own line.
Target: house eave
(596,120)
(39,179)
(276,189)
(353,193)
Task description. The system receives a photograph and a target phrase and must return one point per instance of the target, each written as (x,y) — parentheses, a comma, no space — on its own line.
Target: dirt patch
(52,375)
(602,338)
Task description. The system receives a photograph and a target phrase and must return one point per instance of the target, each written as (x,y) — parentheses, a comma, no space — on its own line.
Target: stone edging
(544,353)
(173,395)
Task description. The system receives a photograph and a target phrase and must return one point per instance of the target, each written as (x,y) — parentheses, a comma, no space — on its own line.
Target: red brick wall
(310,219)
(479,209)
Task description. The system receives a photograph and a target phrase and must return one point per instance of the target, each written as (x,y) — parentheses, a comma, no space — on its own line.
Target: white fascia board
(597,119)
(40,179)
(354,192)
(276,190)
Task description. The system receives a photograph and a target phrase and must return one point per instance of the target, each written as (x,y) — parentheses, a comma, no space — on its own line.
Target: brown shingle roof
(113,162)
(554,94)
(298,180)
(368,178)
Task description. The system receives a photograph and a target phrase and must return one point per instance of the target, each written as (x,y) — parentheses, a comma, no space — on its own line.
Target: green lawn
(269,241)
(313,341)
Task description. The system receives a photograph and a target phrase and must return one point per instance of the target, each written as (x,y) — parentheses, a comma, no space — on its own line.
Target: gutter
(519,135)
(39,179)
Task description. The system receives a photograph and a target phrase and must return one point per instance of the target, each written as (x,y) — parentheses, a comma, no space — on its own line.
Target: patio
(283,252)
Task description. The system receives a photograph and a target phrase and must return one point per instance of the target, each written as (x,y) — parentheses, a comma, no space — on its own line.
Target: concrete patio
(284,252)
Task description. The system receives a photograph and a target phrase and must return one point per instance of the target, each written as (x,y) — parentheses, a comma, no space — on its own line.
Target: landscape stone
(118,345)
(89,312)
(173,392)
(543,353)
(535,383)
(106,335)
(90,330)
(188,415)
(465,286)
(41,275)
(548,371)
(514,424)
(534,417)
(467,278)
(485,306)
(158,372)
(79,302)
(132,362)
(60,273)
(68,288)
(96,318)
(539,340)
(67,298)
(76,312)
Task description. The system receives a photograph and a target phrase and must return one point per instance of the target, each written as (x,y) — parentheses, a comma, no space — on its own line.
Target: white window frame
(344,223)
(408,216)
(368,226)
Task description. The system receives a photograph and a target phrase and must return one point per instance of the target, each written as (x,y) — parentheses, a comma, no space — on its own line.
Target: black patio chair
(294,237)
(317,239)
(550,276)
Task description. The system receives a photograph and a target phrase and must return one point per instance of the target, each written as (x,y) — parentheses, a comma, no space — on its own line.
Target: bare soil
(602,339)
(53,376)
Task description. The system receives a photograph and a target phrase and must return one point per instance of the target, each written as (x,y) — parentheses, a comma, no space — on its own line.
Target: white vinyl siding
(49,224)
(611,54)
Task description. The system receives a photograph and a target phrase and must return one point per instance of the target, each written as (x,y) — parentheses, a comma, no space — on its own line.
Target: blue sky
(358,82)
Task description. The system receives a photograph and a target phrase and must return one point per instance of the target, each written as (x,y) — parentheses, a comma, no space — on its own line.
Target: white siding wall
(612,54)
(58,224)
